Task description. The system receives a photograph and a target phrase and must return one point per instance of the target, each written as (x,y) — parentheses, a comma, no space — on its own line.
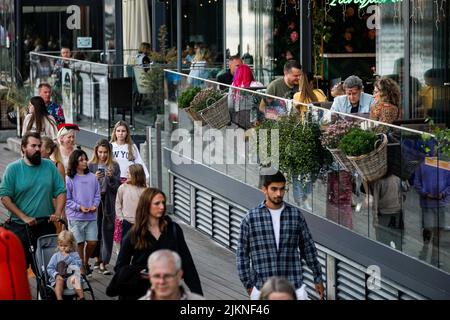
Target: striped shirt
(258,257)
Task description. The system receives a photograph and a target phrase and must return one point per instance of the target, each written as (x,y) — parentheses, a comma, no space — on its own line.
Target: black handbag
(128,282)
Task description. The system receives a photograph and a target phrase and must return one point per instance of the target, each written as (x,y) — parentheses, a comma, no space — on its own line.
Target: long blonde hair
(307,94)
(128,140)
(103,143)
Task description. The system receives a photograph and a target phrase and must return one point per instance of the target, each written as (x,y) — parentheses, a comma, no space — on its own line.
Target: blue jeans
(301,188)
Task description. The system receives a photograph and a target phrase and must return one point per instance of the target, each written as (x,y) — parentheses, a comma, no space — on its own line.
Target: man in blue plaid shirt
(270,239)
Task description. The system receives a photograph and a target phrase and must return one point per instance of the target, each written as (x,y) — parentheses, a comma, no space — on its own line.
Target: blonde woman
(124,150)
(198,67)
(277,288)
(66,139)
(107,172)
(307,94)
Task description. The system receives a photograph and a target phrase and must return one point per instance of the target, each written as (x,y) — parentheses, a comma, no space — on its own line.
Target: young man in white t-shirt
(269,242)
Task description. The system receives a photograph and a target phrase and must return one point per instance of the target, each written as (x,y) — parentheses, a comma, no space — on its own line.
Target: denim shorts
(83,230)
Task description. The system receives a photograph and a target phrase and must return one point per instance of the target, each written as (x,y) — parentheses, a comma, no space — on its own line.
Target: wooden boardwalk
(215,264)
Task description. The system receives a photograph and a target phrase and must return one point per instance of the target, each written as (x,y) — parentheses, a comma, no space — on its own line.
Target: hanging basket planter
(372,166)
(217,115)
(194,116)
(342,159)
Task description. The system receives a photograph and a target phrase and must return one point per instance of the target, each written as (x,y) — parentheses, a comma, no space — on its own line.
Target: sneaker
(104,270)
(97,265)
(88,271)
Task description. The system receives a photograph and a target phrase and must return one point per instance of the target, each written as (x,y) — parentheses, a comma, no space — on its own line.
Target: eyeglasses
(165,277)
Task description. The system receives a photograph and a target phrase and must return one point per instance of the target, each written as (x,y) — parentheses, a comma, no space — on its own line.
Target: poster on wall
(66,91)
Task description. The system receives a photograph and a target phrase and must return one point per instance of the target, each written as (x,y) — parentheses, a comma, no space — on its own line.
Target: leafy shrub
(205,98)
(358,142)
(185,98)
(300,150)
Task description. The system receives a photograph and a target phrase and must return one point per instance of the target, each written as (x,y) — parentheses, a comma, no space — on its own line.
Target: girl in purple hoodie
(83,198)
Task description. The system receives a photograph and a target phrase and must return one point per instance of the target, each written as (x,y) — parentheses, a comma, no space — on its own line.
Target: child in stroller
(64,266)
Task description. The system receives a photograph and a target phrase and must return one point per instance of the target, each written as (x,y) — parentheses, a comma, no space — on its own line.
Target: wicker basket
(194,116)
(342,159)
(372,166)
(217,115)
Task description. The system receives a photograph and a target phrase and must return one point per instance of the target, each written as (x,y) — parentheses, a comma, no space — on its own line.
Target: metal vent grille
(220,219)
(386,292)
(236,216)
(182,199)
(308,277)
(221,222)
(350,282)
(203,212)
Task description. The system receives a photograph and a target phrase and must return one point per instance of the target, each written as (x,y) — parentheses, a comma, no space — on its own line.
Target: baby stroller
(46,246)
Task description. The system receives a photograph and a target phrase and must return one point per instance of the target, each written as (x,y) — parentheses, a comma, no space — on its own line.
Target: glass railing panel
(376,195)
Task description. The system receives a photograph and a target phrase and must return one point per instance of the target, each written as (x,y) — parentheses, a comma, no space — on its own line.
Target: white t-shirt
(120,153)
(276,215)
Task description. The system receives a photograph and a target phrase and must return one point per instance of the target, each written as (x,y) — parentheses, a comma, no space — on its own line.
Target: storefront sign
(434,162)
(361,3)
(84,42)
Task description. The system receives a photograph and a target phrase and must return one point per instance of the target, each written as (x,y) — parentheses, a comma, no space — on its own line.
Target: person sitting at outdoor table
(307,94)
(354,100)
(142,58)
(386,93)
(284,87)
(226,76)
(242,102)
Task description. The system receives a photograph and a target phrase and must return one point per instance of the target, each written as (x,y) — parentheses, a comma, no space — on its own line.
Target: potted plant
(331,137)
(211,105)
(185,99)
(15,101)
(301,154)
(367,152)
(437,147)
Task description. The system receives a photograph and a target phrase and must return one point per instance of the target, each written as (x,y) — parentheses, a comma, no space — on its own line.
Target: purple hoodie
(82,191)
(429,179)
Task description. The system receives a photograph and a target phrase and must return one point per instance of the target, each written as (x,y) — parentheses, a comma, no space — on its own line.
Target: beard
(276,200)
(35,158)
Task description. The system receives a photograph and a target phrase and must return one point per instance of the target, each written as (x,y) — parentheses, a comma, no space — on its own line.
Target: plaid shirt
(257,246)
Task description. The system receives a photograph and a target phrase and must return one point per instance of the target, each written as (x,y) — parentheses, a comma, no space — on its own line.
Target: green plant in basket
(358,142)
(185,98)
(205,98)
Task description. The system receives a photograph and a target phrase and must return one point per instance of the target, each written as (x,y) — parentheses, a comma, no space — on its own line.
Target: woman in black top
(154,230)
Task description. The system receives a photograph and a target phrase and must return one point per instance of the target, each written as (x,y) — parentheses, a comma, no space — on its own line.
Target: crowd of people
(107,200)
